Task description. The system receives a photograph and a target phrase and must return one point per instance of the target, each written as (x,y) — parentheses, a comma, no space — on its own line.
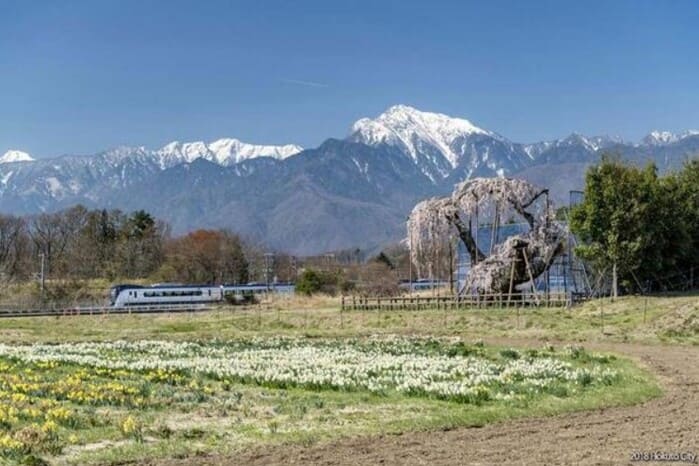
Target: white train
(423,284)
(158,295)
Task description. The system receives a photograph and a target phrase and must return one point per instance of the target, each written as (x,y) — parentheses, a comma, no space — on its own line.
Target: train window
(170,293)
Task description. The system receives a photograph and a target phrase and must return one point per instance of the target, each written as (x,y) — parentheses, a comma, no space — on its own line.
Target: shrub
(314,281)
(309,282)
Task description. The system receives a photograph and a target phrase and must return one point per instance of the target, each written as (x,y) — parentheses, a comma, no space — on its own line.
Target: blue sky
(81,76)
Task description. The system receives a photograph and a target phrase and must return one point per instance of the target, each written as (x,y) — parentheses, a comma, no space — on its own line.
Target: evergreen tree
(637,226)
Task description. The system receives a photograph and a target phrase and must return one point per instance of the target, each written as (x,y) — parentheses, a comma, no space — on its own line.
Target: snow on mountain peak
(120,152)
(657,138)
(434,121)
(689,132)
(187,152)
(405,127)
(16,156)
(591,143)
(227,151)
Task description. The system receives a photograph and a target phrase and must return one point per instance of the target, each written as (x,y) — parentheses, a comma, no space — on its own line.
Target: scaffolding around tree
(508,241)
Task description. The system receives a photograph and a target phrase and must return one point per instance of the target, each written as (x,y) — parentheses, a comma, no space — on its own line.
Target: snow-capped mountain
(352,192)
(660,138)
(16,156)
(438,143)
(47,184)
(573,148)
(410,129)
(450,148)
(593,143)
(226,152)
(232,151)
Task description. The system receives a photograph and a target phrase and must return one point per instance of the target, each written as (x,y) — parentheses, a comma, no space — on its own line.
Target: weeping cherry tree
(504,265)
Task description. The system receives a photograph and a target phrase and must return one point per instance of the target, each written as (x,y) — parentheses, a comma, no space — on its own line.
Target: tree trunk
(505,270)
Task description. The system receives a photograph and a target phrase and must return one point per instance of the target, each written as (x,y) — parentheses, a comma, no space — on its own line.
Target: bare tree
(13,246)
(48,241)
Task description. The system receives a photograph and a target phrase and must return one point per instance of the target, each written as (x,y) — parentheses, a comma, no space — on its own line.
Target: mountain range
(350,192)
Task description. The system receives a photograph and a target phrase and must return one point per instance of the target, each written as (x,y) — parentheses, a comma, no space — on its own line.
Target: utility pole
(269,259)
(330,262)
(451,267)
(41,254)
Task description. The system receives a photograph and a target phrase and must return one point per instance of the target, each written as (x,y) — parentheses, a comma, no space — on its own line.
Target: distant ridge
(351,192)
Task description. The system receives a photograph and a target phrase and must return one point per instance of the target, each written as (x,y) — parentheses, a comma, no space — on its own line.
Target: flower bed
(449,370)
(51,394)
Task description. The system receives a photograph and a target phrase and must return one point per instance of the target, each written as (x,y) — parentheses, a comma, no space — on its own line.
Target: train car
(136,295)
(423,284)
(164,294)
(253,288)
(247,293)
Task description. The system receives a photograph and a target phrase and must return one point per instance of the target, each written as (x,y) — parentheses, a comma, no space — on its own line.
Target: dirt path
(605,436)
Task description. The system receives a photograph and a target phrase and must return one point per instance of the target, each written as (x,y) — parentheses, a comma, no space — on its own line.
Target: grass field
(668,319)
(106,408)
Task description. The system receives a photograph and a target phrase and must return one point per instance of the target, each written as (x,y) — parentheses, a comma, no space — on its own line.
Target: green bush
(310,281)
(314,281)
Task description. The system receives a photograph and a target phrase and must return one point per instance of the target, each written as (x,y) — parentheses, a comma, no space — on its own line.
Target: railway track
(103,310)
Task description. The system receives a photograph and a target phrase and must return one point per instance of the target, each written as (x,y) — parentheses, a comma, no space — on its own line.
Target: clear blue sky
(81,76)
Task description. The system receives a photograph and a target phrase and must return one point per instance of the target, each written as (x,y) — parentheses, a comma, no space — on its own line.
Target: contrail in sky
(304,83)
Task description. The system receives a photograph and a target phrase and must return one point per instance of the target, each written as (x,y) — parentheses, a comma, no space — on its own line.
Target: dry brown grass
(661,320)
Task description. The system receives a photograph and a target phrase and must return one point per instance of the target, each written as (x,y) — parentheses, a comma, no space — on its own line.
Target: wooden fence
(418,303)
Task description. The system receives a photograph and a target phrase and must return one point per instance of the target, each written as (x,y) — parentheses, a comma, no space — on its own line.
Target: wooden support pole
(494,227)
(531,276)
(512,280)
